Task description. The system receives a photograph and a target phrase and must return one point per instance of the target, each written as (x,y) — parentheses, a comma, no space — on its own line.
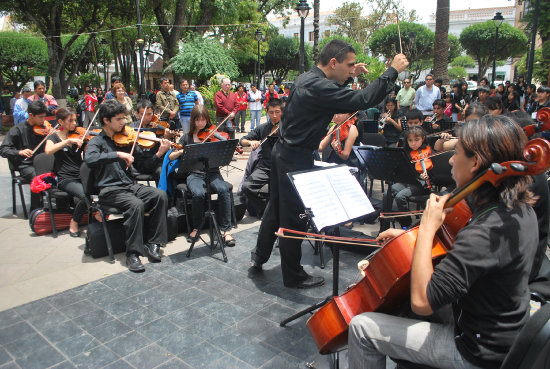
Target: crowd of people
(493,258)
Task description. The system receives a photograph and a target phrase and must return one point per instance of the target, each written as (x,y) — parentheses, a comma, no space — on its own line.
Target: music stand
(370,126)
(428,127)
(203,156)
(445,126)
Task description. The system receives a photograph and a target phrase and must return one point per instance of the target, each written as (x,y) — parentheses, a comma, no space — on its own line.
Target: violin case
(41,224)
(96,246)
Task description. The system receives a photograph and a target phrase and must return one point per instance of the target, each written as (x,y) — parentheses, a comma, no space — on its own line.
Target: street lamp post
(303,10)
(140,43)
(531,56)
(259,36)
(497,19)
(104,43)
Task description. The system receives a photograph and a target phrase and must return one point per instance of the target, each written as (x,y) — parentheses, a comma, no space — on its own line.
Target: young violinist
(68,159)
(390,122)
(24,138)
(112,172)
(340,146)
(150,161)
(414,140)
(258,139)
(484,276)
(199,124)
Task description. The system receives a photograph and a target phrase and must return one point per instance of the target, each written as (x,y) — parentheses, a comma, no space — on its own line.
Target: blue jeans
(195,183)
(255,116)
(184,124)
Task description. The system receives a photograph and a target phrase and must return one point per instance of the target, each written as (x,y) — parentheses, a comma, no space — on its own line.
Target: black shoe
(74,234)
(153,251)
(230,243)
(310,281)
(134,264)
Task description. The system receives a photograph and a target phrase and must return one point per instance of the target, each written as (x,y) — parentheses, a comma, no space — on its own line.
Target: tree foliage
(479,42)
(457,72)
(540,67)
(284,55)
(543,30)
(201,58)
(22,56)
(464,61)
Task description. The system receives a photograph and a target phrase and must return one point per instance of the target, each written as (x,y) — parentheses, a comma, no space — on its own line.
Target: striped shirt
(187,102)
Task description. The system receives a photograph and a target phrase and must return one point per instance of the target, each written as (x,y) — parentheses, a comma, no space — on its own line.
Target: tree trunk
(316,6)
(441,42)
(171,34)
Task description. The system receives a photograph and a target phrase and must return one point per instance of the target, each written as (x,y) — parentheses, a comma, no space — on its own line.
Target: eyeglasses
(407,81)
(429,79)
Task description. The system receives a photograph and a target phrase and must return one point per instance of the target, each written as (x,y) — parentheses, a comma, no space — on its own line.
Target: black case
(96,245)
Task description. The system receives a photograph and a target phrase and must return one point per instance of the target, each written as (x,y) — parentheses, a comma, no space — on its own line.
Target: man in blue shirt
(20,108)
(187,100)
(426,95)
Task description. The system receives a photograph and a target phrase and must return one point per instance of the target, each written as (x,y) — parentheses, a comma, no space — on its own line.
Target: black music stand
(389,164)
(428,127)
(203,156)
(370,126)
(445,126)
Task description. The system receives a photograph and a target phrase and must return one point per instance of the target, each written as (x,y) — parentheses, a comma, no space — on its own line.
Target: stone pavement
(62,309)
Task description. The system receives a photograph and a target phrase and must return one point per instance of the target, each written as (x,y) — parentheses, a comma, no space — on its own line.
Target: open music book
(333,195)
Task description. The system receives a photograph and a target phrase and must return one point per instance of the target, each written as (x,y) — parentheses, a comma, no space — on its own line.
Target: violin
(145,140)
(274,132)
(422,163)
(387,276)
(211,134)
(342,132)
(81,134)
(42,130)
(159,125)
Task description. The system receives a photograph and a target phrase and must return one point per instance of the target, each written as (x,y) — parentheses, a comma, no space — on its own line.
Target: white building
(292,28)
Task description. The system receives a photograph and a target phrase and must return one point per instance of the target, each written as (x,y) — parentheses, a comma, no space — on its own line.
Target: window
(295,35)
(310,36)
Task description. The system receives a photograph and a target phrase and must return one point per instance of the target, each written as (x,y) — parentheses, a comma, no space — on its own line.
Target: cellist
(484,276)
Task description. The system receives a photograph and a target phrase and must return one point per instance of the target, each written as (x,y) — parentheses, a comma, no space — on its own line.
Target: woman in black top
(68,158)
(200,120)
(391,125)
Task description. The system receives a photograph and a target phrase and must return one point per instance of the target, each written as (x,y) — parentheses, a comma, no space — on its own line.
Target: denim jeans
(373,336)
(184,124)
(195,183)
(255,116)
(240,117)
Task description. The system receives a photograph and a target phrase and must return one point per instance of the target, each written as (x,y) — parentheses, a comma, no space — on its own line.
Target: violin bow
(398,28)
(88,129)
(284,233)
(44,139)
(166,106)
(273,131)
(399,214)
(431,156)
(137,133)
(338,126)
(215,129)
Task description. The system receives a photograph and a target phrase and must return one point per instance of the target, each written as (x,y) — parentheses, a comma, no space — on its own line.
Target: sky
(426,7)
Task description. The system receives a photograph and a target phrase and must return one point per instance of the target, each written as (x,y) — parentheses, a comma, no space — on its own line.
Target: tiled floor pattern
(196,312)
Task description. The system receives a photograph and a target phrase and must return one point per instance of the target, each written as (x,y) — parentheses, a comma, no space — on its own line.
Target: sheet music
(333,195)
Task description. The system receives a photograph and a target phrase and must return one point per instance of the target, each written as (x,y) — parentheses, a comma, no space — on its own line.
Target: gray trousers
(373,336)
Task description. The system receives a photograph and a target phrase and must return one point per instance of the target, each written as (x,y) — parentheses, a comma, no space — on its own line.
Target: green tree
(457,72)
(87,79)
(543,30)
(284,55)
(201,58)
(540,68)
(464,61)
(22,55)
(455,48)
(479,40)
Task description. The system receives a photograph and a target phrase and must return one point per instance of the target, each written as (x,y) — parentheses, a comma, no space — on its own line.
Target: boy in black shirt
(112,176)
(20,142)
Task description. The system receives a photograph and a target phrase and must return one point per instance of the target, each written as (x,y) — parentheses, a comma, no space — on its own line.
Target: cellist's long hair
(497,139)
(199,111)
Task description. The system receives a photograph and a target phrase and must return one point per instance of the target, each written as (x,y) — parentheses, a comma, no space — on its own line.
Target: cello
(387,277)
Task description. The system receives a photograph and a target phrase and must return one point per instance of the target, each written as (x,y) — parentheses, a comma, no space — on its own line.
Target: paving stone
(43,358)
(148,357)
(109,331)
(14,332)
(128,343)
(157,329)
(96,358)
(78,344)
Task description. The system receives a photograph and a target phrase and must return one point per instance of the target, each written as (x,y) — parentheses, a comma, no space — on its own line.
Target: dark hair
(483,89)
(439,80)
(143,104)
(336,49)
(109,109)
(429,75)
(162,79)
(64,113)
(414,131)
(274,102)
(497,139)
(414,114)
(37,107)
(484,79)
(476,109)
(532,87)
(38,83)
(439,102)
(493,103)
(520,117)
(543,89)
(115,78)
(391,100)
(184,80)
(198,111)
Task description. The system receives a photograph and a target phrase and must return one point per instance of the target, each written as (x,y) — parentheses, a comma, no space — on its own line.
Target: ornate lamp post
(497,19)
(303,10)
(104,42)
(140,43)
(259,37)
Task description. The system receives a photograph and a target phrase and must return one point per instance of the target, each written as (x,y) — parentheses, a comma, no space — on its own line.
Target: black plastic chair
(145,178)
(374,139)
(17,180)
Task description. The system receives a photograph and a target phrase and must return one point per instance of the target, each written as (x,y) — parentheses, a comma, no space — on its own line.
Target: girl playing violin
(68,159)
(200,120)
(484,276)
(414,140)
(341,143)
(391,124)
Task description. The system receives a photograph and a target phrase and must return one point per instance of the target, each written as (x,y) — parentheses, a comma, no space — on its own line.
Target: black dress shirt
(20,137)
(258,134)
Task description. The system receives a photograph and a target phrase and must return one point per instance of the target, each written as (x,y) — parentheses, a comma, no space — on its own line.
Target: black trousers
(28,173)
(136,200)
(283,210)
(74,188)
(252,188)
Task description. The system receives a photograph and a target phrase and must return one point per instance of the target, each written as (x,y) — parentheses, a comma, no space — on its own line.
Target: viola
(42,130)
(423,163)
(387,276)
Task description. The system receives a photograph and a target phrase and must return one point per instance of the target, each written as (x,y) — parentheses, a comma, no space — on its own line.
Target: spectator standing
(405,97)
(119,92)
(100,95)
(270,94)
(114,79)
(199,95)
(40,95)
(91,101)
(20,108)
(187,100)
(426,95)
(13,100)
(226,105)
(242,101)
(255,106)
(528,104)
(166,100)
